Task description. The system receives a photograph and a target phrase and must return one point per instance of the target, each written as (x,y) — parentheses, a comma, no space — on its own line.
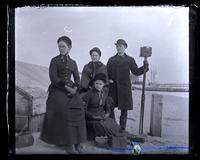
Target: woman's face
(95,56)
(99,84)
(64,48)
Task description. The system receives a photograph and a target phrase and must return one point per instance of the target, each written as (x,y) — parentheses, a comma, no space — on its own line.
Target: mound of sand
(28,75)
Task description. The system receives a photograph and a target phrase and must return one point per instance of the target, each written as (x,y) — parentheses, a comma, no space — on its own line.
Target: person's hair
(65,39)
(96,50)
(121,41)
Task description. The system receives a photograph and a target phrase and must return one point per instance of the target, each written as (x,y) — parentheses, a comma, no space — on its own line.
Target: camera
(145,51)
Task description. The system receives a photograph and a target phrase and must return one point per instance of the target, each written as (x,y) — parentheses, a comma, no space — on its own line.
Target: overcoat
(118,68)
(89,71)
(64,122)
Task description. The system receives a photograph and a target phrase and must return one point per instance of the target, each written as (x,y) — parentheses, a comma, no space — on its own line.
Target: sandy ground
(175,130)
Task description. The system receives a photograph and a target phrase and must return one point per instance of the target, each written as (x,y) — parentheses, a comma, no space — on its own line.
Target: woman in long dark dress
(91,69)
(64,122)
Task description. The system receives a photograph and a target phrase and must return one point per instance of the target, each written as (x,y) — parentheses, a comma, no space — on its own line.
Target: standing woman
(92,68)
(64,122)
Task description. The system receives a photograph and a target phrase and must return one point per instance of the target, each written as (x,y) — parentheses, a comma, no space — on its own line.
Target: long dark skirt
(64,122)
(107,127)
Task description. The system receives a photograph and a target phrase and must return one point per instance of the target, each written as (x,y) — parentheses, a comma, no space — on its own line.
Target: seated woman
(97,110)
(64,122)
(91,69)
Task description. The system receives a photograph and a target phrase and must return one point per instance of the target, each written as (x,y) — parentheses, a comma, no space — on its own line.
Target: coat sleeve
(53,74)
(86,99)
(109,104)
(109,69)
(85,79)
(134,68)
(76,75)
(103,69)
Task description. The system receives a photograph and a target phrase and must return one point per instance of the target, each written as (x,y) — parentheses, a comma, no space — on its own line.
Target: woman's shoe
(79,148)
(70,149)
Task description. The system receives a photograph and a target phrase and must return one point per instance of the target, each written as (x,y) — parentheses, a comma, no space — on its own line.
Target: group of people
(83,109)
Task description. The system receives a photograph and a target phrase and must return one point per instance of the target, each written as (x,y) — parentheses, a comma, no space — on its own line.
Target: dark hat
(65,39)
(96,50)
(100,76)
(121,41)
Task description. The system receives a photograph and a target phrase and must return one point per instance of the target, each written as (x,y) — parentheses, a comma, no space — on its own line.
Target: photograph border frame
(193,83)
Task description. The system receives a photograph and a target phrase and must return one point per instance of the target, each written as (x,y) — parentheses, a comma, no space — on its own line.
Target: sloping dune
(27,74)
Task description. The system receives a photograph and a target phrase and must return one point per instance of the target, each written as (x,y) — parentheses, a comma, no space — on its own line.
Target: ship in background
(153,85)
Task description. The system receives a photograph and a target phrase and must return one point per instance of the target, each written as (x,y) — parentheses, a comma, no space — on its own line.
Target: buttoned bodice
(61,70)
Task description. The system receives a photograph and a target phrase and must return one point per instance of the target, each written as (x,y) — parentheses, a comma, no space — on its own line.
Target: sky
(164,28)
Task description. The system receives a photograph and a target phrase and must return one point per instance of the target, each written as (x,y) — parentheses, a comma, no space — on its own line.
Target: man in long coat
(119,67)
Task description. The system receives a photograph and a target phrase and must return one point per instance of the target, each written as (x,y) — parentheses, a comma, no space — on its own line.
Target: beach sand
(175,128)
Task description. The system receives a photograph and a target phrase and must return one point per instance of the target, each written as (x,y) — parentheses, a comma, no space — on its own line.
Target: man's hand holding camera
(146,65)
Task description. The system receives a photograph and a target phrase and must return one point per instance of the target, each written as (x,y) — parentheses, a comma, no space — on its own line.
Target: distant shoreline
(162,89)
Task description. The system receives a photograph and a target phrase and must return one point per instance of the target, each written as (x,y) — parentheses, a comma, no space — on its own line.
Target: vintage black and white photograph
(102,80)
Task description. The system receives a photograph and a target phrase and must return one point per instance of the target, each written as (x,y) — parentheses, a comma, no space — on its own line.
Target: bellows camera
(145,51)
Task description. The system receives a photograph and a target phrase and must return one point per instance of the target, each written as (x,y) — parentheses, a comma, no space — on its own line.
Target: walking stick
(144,52)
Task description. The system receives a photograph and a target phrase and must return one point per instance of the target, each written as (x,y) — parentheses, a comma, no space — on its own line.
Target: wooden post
(142,101)
(156,115)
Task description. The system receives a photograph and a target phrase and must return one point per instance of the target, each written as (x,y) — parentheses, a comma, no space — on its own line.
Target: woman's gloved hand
(106,116)
(71,90)
(97,117)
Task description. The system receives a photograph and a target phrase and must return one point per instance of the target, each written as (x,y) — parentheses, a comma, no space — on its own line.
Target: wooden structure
(156,115)
(30,107)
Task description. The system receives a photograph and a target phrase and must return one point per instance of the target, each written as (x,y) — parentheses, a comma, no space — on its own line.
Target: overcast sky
(165,29)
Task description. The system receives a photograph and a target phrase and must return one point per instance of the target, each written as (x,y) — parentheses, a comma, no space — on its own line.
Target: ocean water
(178,94)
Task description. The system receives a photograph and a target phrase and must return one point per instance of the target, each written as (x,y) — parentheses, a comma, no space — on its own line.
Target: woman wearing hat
(92,68)
(97,106)
(119,67)
(64,122)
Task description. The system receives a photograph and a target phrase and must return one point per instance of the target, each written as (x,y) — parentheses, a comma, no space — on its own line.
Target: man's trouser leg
(123,119)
